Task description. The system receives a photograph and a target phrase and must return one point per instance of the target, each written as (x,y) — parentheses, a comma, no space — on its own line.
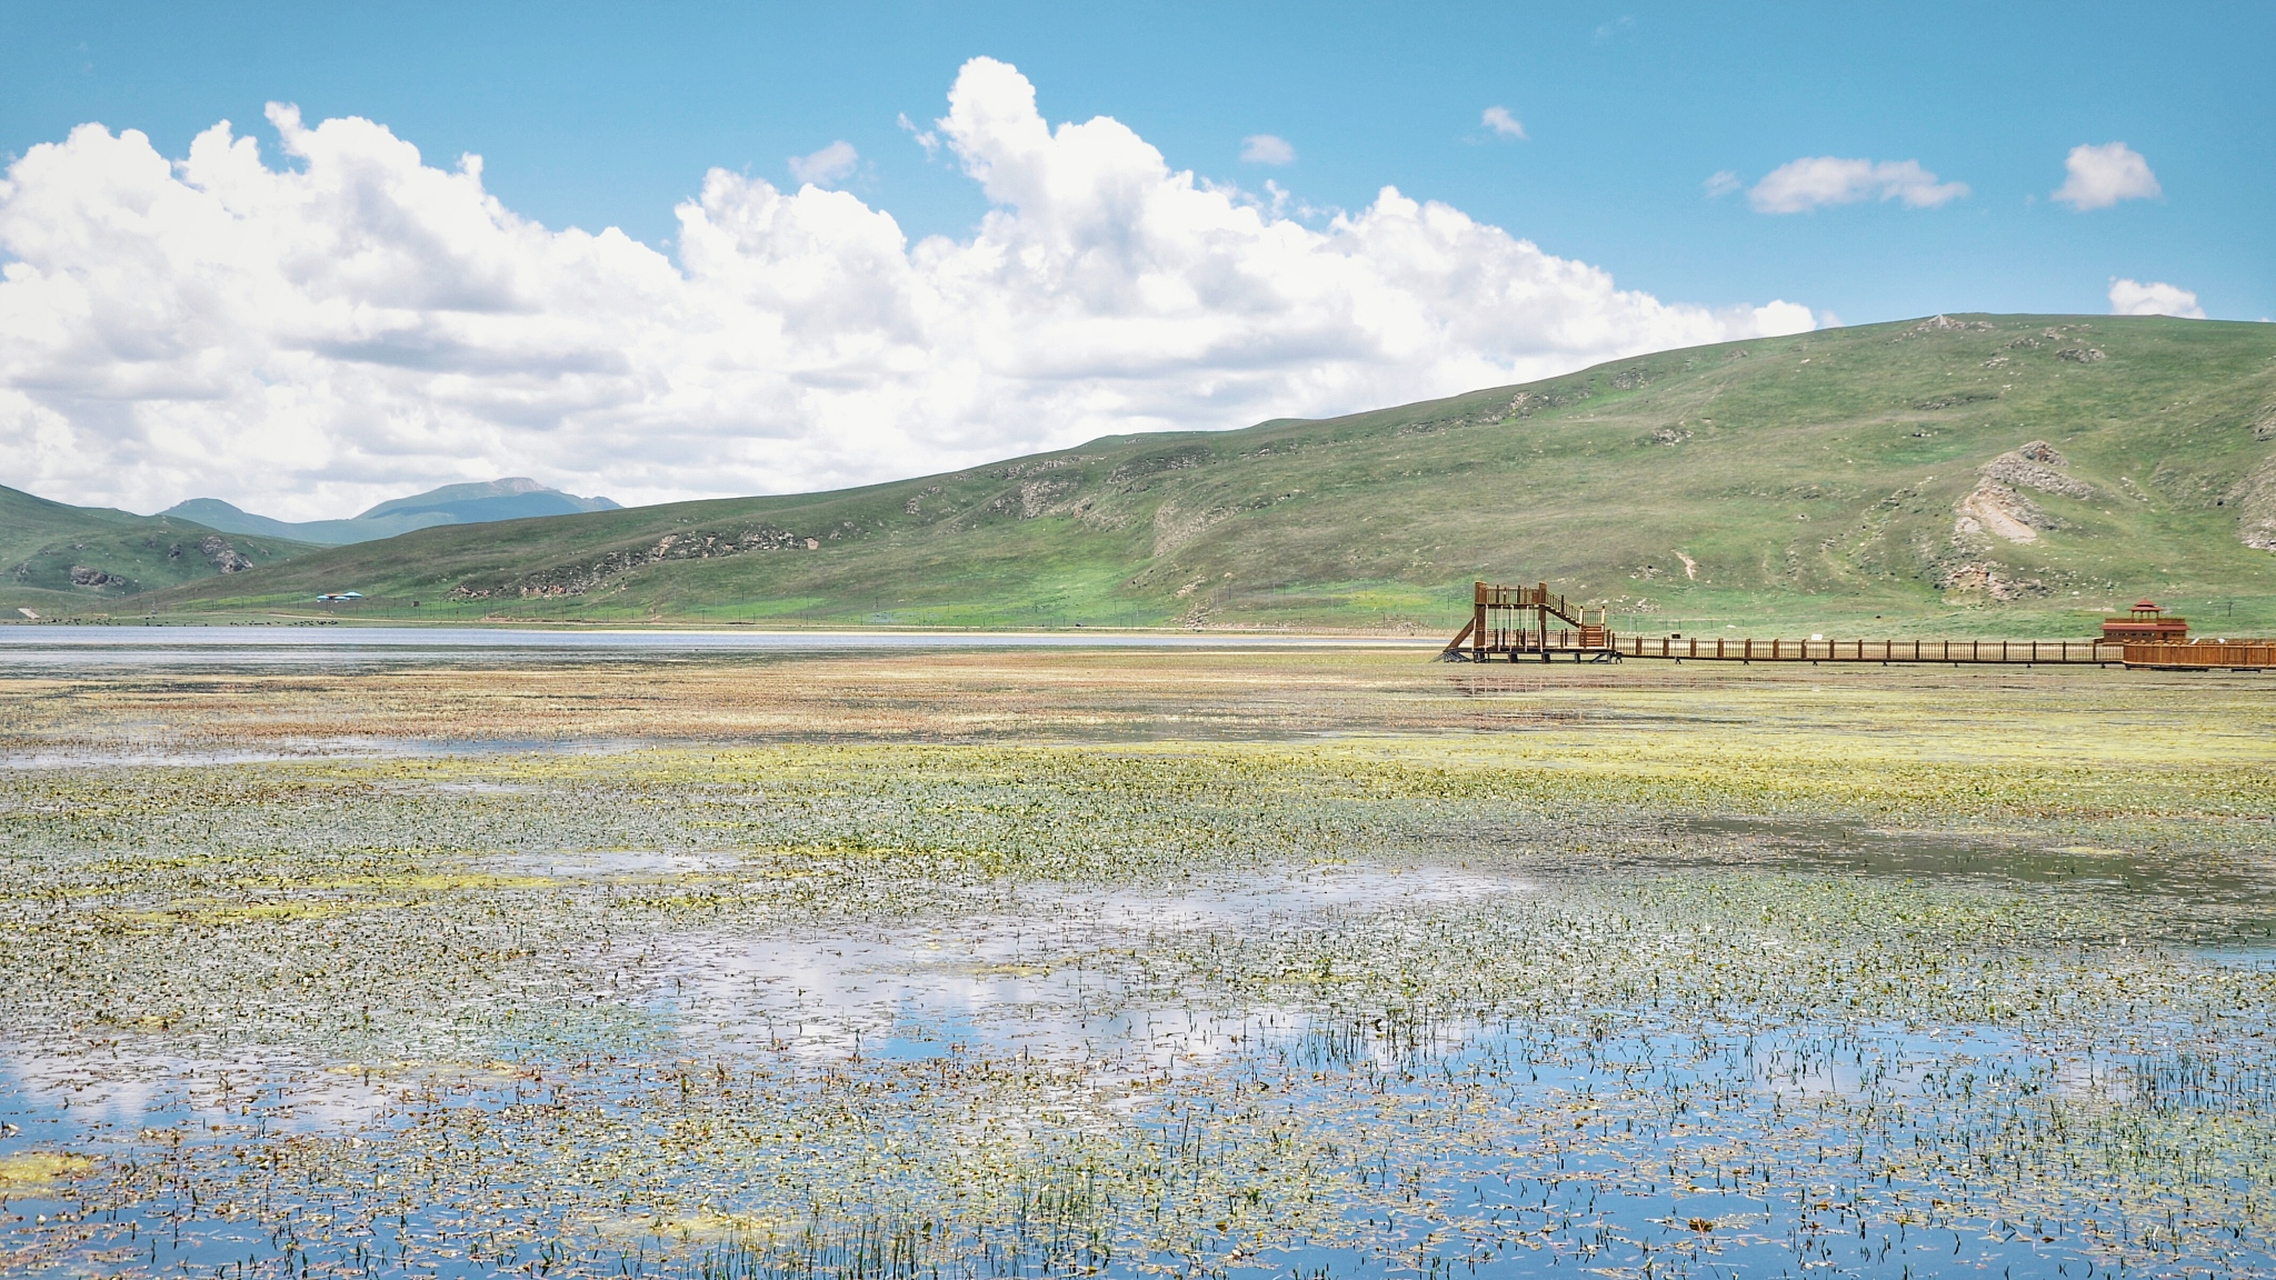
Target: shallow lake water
(60,649)
(1370,1007)
(1597,1140)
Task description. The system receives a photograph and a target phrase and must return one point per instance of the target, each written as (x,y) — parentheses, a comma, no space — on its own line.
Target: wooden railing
(1750,650)
(1594,640)
(2238,655)
(1527,640)
(1538,596)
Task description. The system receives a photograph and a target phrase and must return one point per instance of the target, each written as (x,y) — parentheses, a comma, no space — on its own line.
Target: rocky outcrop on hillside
(2034,467)
(1986,578)
(224,557)
(1947,324)
(1995,507)
(2255,500)
(1527,403)
(581,578)
(1998,508)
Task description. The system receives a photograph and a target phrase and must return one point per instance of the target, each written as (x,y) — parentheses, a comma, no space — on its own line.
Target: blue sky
(593,115)
(1916,150)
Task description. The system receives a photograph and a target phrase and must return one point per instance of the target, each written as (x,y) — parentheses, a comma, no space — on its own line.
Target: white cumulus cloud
(827,167)
(2157,298)
(308,334)
(1503,123)
(2102,176)
(1264,148)
(925,138)
(1799,186)
(1721,183)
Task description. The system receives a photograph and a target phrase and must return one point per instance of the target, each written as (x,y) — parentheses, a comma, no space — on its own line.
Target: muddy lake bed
(1111,960)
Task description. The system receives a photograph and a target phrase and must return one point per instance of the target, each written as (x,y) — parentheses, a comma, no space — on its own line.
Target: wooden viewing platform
(1512,623)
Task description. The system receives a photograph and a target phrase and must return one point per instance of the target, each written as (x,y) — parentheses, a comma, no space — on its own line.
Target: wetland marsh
(1181,962)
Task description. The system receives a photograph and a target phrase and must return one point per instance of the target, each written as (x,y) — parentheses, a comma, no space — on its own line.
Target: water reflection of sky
(1014,978)
(1560,1170)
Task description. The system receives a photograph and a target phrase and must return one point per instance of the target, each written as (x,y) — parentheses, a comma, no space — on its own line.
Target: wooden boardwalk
(2024,652)
(1516,645)
(1513,624)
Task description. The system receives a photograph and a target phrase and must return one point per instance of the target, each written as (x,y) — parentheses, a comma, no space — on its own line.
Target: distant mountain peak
(478,502)
(508,488)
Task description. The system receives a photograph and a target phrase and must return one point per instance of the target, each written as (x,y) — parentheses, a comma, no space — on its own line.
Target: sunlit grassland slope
(60,559)
(1986,474)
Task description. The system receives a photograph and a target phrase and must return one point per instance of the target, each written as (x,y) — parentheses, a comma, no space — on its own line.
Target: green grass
(117,555)
(1811,481)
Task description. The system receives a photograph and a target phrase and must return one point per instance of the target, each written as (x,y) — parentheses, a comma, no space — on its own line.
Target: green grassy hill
(63,560)
(1986,474)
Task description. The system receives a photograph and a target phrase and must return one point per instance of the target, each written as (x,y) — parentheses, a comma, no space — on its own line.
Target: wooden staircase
(1498,619)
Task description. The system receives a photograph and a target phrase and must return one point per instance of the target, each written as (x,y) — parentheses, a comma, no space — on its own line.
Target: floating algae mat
(1631,1003)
